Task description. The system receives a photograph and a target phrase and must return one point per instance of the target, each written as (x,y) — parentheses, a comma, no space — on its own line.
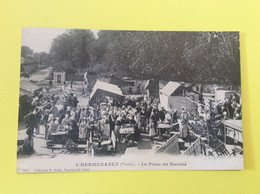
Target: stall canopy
(175,96)
(235,124)
(170,88)
(103,89)
(28,88)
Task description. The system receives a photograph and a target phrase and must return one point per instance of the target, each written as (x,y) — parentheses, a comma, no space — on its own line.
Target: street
(40,74)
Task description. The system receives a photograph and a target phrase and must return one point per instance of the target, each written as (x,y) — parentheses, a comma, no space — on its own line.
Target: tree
(209,57)
(73,49)
(26,51)
(204,57)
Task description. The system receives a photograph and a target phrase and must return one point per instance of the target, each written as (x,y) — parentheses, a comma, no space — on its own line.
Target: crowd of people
(101,117)
(63,114)
(208,117)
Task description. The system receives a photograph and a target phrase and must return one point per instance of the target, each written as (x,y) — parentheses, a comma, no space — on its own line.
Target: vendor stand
(59,137)
(127,132)
(233,135)
(164,127)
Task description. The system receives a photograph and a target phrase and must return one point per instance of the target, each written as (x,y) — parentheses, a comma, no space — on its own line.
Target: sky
(40,39)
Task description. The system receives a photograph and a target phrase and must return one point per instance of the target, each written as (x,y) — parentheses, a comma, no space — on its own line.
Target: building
(59,75)
(133,86)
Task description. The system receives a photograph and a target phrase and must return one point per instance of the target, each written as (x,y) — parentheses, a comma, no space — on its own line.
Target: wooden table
(163,127)
(127,130)
(59,137)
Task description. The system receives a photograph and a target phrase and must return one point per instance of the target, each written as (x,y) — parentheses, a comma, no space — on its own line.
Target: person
(103,125)
(54,124)
(83,129)
(118,124)
(62,113)
(199,110)
(54,111)
(138,89)
(138,120)
(45,121)
(183,128)
(35,102)
(38,117)
(84,86)
(152,132)
(138,107)
(63,86)
(66,120)
(74,101)
(111,121)
(155,118)
(237,112)
(162,114)
(31,121)
(143,119)
(71,83)
(130,91)
(28,143)
(168,117)
(174,116)
(50,84)
(73,131)
(184,113)
(50,118)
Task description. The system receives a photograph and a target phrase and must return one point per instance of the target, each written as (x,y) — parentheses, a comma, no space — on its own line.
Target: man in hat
(155,117)
(162,114)
(74,101)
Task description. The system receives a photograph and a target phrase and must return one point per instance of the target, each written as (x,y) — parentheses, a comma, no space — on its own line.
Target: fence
(195,148)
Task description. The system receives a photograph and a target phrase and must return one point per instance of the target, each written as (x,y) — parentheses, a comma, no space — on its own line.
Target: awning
(235,124)
(27,87)
(170,88)
(102,89)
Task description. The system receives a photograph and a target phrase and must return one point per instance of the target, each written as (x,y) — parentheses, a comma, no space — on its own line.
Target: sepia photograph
(95,100)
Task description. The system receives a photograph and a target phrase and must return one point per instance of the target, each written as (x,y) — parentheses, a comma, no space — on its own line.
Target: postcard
(103,100)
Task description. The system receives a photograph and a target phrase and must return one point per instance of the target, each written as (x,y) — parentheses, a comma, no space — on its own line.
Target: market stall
(233,134)
(103,89)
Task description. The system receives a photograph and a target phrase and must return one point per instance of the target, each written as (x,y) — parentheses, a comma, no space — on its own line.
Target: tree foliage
(73,48)
(25,51)
(205,57)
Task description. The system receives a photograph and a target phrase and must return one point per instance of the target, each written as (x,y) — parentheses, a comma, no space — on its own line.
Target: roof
(235,124)
(58,69)
(170,87)
(106,89)
(28,87)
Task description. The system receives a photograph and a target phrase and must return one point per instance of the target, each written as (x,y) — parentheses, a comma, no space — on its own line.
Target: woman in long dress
(83,129)
(118,124)
(152,132)
(183,128)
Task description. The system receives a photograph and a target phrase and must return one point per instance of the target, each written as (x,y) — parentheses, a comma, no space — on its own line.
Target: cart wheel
(71,147)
